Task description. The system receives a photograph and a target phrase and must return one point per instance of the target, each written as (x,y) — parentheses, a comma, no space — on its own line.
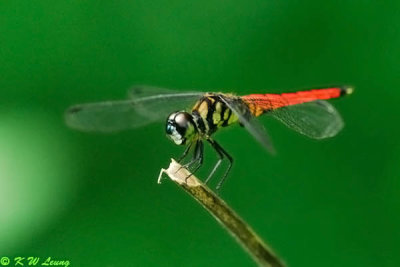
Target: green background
(93,199)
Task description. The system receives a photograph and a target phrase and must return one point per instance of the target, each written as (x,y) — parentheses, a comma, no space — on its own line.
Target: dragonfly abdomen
(261,103)
(210,114)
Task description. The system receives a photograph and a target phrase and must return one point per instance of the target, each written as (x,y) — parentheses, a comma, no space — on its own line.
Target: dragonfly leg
(196,155)
(187,149)
(222,154)
(221,157)
(197,158)
(193,160)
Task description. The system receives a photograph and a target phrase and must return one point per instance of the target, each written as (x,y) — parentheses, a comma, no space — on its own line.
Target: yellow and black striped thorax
(210,114)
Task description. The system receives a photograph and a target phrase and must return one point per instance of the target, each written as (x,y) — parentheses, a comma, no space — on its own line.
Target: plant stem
(226,216)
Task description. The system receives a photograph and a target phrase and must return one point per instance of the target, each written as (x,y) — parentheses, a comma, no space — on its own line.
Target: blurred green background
(93,199)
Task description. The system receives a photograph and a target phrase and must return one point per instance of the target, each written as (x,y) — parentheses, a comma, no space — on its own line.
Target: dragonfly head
(180,127)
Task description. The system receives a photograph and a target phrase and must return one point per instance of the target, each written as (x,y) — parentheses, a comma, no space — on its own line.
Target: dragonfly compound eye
(180,127)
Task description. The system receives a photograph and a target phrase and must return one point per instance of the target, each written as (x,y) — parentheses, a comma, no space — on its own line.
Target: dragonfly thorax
(180,127)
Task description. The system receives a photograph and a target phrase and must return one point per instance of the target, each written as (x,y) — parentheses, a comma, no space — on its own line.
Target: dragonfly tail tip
(347,90)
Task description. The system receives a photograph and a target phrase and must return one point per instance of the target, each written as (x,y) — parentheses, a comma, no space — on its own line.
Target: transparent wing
(139,91)
(317,119)
(254,127)
(114,116)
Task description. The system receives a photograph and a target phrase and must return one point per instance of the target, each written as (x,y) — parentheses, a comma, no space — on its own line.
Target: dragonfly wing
(254,127)
(140,91)
(168,98)
(115,116)
(317,119)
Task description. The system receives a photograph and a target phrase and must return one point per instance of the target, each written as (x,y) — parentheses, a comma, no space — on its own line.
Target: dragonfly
(193,117)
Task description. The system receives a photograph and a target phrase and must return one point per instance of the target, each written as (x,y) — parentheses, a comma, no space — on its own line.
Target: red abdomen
(260,103)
